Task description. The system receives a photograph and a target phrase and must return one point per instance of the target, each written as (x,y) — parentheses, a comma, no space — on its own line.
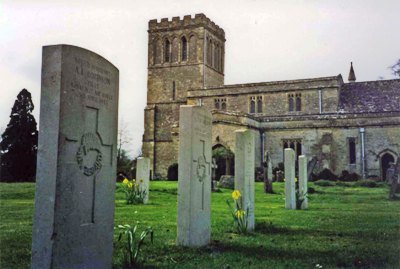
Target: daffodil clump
(239,213)
(134,191)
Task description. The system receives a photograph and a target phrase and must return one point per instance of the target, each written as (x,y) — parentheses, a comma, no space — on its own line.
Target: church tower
(182,54)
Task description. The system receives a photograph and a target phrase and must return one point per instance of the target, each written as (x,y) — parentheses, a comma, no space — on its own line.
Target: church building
(353,126)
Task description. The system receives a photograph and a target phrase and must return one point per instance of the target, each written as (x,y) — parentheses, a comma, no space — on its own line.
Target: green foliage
(18,147)
(124,163)
(134,191)
(240,214)
(222,153)
(133,243)
(324,183)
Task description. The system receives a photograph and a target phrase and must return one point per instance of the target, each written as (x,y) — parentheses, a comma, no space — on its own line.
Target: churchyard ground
(344,227)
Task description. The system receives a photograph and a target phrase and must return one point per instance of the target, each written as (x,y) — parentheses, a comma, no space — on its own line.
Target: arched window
(215,56)
(216,103)
(298,102)
(167,51)
(291,102)
(352,150)
(259,104)
(298,149)
(174,50)
(192,48)
(252,105)
(209,56)
(157,51)
(183,49)
(173,90)
(154,51)
(223,105)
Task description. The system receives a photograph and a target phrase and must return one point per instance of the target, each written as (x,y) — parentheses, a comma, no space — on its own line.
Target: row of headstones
(75,188)
(194,190)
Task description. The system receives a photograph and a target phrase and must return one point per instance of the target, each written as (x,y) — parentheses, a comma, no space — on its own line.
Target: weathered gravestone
(194,183)
(76,168)
(244,171)
(267,171)
(290,195)
(303,178)
(143,176)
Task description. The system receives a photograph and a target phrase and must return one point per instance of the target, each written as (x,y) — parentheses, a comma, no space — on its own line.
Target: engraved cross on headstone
(91,156)
(202,167)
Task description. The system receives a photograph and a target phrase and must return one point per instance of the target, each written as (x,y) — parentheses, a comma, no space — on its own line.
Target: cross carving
(202,167)
(90,160)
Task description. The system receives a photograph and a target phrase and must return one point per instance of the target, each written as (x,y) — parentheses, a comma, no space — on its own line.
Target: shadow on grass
(276,254)
(268,228)
(168,191)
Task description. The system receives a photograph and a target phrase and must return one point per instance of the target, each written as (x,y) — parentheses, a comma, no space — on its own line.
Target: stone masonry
(351,126)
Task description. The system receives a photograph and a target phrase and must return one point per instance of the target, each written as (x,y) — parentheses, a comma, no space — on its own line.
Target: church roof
(370,96)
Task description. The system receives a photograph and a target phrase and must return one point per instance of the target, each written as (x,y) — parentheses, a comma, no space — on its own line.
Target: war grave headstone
(194,183)
(303,178)
(143,176)
(244,171)
(76,167)
(290,195)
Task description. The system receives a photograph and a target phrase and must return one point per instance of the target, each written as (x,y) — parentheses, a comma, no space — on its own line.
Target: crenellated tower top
(199,20)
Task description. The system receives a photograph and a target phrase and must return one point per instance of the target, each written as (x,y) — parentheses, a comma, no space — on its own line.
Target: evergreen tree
(18,147)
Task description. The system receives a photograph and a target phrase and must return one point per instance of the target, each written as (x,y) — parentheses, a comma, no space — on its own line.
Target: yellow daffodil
(236,194)
(295,179)
(126,181)
(240,213)
(130,185)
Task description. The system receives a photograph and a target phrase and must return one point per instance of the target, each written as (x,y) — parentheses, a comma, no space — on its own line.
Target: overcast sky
(265,41)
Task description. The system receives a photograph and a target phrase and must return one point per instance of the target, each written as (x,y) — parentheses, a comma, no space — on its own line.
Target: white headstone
(303,177)
(143,173)
(244,171)
(76,168)
(290,195)
(194,183)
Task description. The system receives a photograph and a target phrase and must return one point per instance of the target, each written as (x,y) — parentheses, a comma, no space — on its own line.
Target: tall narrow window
(223,105)
(291,102)
(352,150)
(253,104)
(298,101)
(294,144)
(298,148)
(259,104)
(167,51)
(173,90)
(209,53)
(192,48)
(155,51)
(183,49)
(216,103)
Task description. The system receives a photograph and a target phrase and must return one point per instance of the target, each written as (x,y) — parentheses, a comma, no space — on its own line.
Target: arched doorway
(224,158)
(385,160)
(173,172)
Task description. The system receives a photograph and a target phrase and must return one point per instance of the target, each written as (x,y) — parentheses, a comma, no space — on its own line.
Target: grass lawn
(344,227)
